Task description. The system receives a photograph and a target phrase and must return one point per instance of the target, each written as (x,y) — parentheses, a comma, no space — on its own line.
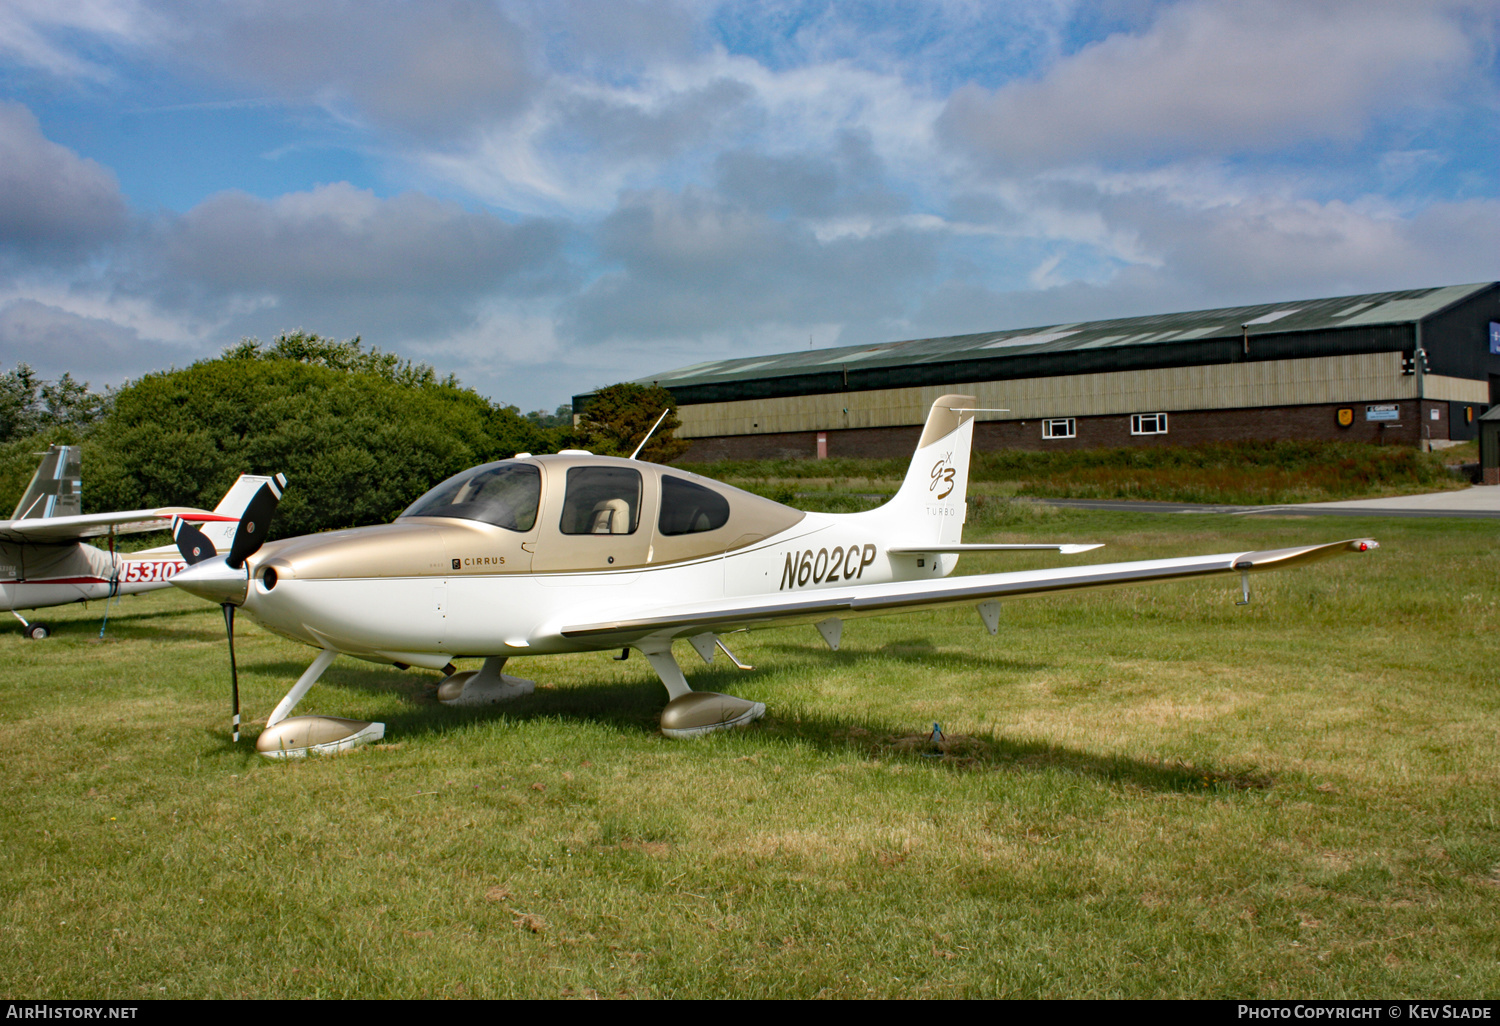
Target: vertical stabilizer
(930,507)
(56,489)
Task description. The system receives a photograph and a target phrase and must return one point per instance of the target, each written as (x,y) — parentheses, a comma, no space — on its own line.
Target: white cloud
(32,33)
(585,141)
(51,199)
(1221,77)
(336,239)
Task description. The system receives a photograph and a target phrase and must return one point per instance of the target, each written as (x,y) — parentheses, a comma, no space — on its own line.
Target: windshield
(505,494)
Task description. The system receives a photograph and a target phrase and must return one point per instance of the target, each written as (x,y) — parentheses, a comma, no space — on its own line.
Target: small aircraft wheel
(38,631)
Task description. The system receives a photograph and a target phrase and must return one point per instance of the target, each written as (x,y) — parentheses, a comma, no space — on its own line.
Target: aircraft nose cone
(214,579)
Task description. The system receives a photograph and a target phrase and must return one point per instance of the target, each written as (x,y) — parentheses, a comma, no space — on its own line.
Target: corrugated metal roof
(1157,329)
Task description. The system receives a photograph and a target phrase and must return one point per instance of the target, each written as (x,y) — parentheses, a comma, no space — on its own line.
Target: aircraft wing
(876,599)
(57,530)
(1066,548)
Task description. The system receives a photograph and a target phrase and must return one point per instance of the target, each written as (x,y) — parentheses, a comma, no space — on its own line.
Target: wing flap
(876,599)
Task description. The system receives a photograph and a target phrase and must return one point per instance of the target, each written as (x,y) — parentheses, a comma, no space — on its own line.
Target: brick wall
(1193,427)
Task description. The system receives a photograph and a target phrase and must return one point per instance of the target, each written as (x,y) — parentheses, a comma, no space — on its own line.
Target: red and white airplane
(539,555)
(44,560)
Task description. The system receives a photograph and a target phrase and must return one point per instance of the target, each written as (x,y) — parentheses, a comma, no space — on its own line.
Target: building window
(1061,427)
(1148,423)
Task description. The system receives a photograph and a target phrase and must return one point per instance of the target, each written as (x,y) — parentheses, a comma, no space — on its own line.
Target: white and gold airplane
(539,555)
(44,560)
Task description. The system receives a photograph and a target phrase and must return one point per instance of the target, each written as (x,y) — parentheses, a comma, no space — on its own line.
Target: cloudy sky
(547,197)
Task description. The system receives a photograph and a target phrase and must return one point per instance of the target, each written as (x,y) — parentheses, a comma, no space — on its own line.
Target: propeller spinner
(224,579)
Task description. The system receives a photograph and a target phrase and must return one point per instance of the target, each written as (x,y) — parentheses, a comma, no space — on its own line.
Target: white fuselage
(33,576)
(429,620)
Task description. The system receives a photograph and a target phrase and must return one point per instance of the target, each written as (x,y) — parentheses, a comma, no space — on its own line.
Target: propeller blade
(252,531)
(192,543)
(234,673)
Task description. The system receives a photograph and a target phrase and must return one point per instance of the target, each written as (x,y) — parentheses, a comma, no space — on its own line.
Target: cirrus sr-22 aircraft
(572,552)
(45,560)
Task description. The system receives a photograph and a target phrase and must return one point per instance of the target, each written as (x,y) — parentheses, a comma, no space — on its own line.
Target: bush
(357,447)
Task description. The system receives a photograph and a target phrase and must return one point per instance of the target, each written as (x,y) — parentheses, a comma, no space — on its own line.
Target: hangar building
(1417,367)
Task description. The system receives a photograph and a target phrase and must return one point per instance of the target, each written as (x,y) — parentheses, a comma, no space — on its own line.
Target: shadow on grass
(133,626)
(633,708)
(917,651)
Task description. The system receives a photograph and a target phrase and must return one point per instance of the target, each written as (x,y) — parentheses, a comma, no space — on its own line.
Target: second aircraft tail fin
(56,489)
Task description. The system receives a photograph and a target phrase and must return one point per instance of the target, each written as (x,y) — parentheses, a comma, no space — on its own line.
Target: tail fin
(930,507)
(56,489)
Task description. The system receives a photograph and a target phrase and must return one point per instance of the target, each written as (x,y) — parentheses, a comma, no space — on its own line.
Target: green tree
(348,355)
(29,405)
(562,418)
(357,444)
(616,419)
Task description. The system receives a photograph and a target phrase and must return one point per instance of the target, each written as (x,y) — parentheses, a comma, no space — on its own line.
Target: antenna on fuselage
(651,432)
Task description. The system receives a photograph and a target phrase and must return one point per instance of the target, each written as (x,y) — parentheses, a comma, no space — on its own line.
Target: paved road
(1479,501)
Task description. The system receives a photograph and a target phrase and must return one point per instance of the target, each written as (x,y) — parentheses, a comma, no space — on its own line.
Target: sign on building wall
(1383,411)
(1495,337)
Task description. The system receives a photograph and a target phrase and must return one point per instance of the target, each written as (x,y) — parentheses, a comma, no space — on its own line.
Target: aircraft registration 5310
(573,552)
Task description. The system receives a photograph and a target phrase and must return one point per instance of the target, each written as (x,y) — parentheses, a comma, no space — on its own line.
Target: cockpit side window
(602,500)
(688,508)
(504,494)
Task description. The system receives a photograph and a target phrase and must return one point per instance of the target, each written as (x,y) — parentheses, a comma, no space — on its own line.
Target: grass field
(1233,473)
(1147,792)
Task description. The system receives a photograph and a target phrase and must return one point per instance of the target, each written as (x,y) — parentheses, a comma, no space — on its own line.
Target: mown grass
(1238,473)
(1145,792)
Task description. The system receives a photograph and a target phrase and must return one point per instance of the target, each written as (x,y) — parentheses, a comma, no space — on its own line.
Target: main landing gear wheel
(704,712)
(38,631)
(695,713)
(486,686)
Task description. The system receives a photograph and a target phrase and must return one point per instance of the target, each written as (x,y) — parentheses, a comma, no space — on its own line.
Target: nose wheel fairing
(315,735)
(288,737)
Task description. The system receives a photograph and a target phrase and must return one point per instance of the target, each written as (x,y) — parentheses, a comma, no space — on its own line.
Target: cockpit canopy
(506,494)
(589,510)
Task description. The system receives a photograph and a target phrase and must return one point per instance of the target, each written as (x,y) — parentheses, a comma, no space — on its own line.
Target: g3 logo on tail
(942,476)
